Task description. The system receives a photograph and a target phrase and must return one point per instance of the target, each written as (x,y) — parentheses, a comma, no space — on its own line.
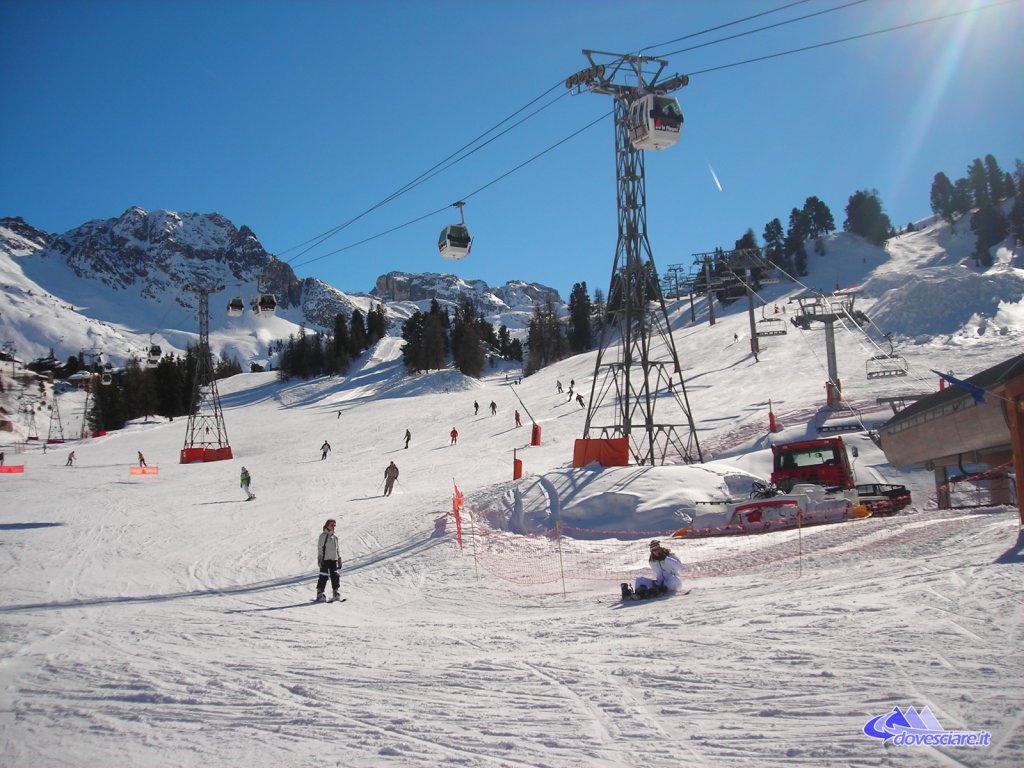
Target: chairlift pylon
(455,242)
(655,121)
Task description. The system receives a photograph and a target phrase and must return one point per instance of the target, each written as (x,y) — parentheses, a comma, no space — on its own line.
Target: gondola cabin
(655,122)
(454,242)
(154,354)
(236,307)
(267,304)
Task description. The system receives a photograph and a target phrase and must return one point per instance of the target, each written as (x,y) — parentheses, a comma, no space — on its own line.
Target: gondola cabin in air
(236,307)
(455,242)
(154,353)
(655,121)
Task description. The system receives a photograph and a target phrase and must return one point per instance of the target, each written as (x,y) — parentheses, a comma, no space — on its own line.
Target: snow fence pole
(561,564)
(472,541)
(800,537)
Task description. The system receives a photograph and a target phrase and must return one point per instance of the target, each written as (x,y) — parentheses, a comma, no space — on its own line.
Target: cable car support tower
(633,376)
(206,436)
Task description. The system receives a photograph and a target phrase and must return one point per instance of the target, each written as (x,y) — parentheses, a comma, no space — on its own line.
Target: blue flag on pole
(976,392)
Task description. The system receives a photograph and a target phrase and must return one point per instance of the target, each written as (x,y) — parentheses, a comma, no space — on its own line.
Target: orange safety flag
(457,501)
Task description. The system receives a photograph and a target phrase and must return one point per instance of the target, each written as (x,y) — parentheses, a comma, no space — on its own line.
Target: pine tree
(865,217)
(580,307)
(796,251)
(775,245)
(357,334)
(996,192)
(977,178)
(943,197)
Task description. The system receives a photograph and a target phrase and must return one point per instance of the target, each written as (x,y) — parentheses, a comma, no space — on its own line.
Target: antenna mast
(632,376)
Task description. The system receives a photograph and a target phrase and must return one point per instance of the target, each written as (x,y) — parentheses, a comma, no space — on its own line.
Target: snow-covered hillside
(120,285)
(160,620)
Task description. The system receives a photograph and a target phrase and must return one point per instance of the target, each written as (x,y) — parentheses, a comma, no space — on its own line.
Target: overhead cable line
(434,169)
(723,26)
(769,26)
(437,168)
(851,37)
(476,191)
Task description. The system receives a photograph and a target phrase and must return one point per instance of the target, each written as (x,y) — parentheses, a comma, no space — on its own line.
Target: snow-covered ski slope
(162,621)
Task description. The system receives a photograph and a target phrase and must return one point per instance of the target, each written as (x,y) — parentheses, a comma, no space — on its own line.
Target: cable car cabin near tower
(655,121)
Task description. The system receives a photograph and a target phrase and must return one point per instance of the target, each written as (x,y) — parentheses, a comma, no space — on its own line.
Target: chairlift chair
(770,326)
(455,242)
(655,121)
(886,366)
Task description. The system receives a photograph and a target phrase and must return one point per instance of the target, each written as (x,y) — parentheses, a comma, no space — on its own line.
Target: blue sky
(295,117)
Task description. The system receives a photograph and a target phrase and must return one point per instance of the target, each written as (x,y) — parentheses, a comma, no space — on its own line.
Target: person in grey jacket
(328,558)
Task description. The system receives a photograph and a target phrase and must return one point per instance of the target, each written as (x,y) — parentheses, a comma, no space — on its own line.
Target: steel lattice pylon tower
(206,430)
(635,375)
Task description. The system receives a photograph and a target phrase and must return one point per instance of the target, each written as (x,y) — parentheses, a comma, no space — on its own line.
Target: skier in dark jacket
(328,558)
(390,476)
(408,437)
(324,450)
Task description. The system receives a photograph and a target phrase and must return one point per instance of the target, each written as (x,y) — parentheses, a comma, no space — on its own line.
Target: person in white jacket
(328,558)
(668,572)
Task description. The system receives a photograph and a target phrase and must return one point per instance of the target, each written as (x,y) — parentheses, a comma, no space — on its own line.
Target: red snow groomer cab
(824,462)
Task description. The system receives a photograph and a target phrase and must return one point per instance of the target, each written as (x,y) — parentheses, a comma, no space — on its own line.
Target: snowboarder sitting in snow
(328,558)
(668,574)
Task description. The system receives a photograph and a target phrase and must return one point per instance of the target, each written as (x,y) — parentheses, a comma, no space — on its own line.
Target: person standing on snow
(390,476)
(408,437)
(328,559)
(558,384)
(476,407)
(494,408)
(324,450)
(142,460)
(519,422)
(71,460)
(245,481)
(2,458)
(455,435)
(579,399)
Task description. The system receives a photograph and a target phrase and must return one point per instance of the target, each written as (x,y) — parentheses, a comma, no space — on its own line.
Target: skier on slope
(142,460)
(408,437)
(245,481)
(324,450)
(454,435)
(390,476)
(328,559)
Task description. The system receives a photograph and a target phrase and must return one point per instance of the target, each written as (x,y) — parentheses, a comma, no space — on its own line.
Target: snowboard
(635,599)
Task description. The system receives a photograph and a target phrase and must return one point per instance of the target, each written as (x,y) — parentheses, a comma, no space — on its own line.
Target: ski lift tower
(206,436)
(816,307)
(631,375)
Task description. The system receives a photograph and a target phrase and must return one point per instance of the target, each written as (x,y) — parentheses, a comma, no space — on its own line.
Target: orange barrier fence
(144,470)
(12,469)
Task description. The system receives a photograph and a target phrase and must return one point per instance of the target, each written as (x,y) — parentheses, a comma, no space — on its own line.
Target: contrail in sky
(715,177)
